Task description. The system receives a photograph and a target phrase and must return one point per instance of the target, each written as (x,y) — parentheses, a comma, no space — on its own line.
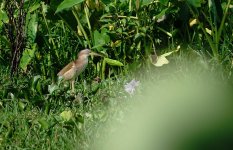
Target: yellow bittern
(74,68)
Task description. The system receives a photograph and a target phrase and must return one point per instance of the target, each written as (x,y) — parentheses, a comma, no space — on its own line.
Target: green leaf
(67,4)
(22,106)
(39,87)
(195,3)
(162,60)
(67,115)
(113,62)
(28,54)
(146,2)
(34,7)
(3,17)
(35,81)
(32,27)
(44,124)
(101,38)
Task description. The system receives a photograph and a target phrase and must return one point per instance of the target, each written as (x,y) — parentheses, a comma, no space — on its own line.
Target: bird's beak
(95,54)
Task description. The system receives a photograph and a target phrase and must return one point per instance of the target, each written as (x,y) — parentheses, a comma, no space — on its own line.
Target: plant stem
(88,21)
(222,23)
(46,23)
(81,27)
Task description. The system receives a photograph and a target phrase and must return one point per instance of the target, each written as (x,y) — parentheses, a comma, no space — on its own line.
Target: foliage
(134,36)
(127,31)
(215,19)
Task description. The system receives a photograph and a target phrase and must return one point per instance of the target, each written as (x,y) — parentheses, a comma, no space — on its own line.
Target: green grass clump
(33,118)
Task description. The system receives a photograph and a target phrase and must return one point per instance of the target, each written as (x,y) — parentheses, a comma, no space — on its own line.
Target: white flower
(130,87)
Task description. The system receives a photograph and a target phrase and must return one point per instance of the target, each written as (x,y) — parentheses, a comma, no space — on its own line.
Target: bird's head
(86,52)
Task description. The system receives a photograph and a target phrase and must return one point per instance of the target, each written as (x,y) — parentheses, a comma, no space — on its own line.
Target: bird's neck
(83,58)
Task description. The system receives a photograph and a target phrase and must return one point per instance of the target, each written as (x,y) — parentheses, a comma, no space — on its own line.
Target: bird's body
(76,67)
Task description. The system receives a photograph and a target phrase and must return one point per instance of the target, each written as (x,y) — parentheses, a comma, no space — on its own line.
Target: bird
(72,70)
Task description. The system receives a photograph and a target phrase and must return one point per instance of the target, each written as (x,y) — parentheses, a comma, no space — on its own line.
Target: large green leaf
(28,54)
(113,62)
(101,38)
(32,27)
(67,4)
(195,3)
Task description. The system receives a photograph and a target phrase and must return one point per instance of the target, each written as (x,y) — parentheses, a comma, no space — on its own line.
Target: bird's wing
(66,68)
(80,66)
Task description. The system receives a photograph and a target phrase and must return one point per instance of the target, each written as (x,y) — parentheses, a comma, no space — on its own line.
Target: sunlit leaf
(193,22)
(113,62)
(208,31)
(67,4)
(66,115)
(162,60)
(28,54)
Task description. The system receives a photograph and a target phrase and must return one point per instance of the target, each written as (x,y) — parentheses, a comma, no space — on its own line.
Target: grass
(31,120)
(34,121)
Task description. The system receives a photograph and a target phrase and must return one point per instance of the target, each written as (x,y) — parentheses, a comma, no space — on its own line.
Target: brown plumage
(74,68)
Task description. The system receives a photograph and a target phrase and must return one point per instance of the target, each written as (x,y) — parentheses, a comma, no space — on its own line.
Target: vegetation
(39,37)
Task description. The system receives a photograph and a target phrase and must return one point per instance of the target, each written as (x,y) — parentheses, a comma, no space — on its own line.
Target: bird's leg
(72,85)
